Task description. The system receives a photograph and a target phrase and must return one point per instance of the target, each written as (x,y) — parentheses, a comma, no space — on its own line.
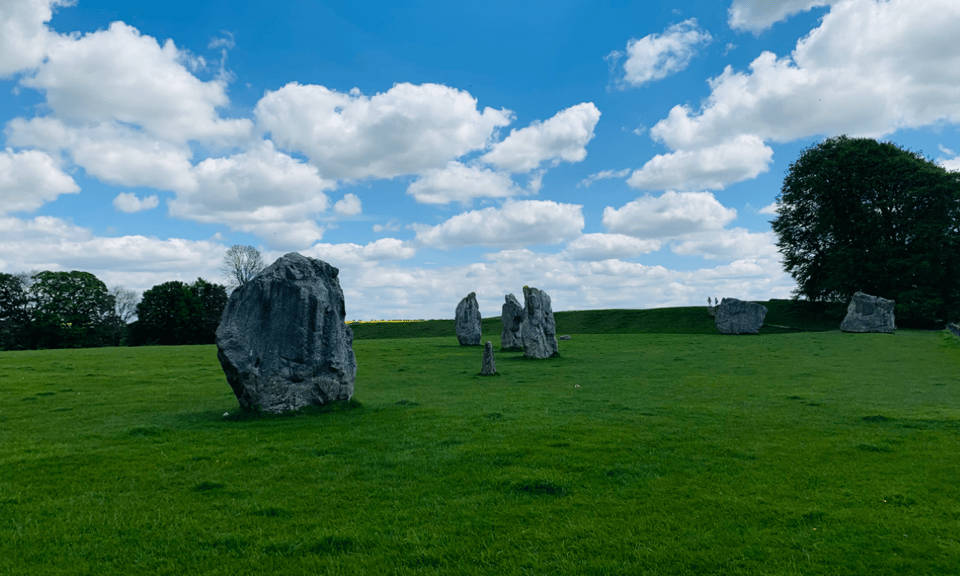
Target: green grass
(647,453)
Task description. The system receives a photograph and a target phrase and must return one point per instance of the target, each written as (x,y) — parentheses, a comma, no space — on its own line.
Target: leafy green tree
(213,299)
(168,314)
(69,310)
(176,313)
(14,311)
(856,214)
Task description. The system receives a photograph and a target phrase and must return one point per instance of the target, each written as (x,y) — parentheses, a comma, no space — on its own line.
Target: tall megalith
(283,342)
(538,330)
(469,330)
(512,317)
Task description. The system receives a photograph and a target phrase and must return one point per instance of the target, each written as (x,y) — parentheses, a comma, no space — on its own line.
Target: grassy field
(632,453)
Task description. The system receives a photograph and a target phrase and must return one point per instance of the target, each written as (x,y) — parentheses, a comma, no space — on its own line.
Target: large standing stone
(469,329)
(282,340)
(489,365)
(869,314)
(512,317)
(739,317)
(538,330)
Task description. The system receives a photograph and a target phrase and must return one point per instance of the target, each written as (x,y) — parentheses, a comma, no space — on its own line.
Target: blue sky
(613,154)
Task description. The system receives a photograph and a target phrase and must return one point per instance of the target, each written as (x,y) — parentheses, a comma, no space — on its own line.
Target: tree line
(76,310)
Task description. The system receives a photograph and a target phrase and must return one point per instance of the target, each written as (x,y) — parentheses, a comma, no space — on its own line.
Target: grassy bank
(782,316)
(787,453)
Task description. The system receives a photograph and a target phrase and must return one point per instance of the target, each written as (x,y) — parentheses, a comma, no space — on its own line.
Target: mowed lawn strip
(656,453)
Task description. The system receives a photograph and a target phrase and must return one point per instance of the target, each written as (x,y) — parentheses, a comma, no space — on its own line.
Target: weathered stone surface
(511,317)
(954,328)
(868,313)
(282,340)
(538,329)
(489,365)
(564,337)
(739,317)
(469,329)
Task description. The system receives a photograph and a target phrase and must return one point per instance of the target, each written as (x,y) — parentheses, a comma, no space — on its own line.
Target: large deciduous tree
(213,299)
(14,311)
(69,310)
(176,313)
(855,214)
(240,264)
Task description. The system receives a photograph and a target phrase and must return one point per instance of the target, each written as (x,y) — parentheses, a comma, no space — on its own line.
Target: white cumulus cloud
(671,214)
(350,254)
(261,191)
(869,69)
(606,246)
(119,75)
(349,205)
(129,202)
(136,262)
(516,223)
(23,34)
(757,15)
(405,130)
(657,56)
(111,152)
(563,137)
(461,183)
(29,179)
(712,167)
(735,244)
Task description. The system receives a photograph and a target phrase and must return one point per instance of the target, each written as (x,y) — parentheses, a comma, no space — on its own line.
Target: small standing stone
(565,337)
(489,366)
(868,313)
(511,317)
(469,330)
(739,317)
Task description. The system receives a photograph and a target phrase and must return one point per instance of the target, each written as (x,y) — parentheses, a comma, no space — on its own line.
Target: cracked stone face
(283,342)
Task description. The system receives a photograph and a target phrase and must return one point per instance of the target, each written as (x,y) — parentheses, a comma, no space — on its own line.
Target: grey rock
(954,328)
(538,329)
(739,317)
(511,317)
(564,337)
(489,365)
(868,313)
(469,329)
(282,340)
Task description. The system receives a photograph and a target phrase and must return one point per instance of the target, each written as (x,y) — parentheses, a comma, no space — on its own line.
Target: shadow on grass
(349,406)
(537,488)
(185,420)
(323,546)
(913,423)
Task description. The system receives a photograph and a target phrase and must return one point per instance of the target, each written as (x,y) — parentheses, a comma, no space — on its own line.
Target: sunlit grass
(784,453)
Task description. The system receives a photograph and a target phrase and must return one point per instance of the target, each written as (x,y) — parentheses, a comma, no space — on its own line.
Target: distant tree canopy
(75,309)
(856,214)
(69,310)
(14,311)
(175,313)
